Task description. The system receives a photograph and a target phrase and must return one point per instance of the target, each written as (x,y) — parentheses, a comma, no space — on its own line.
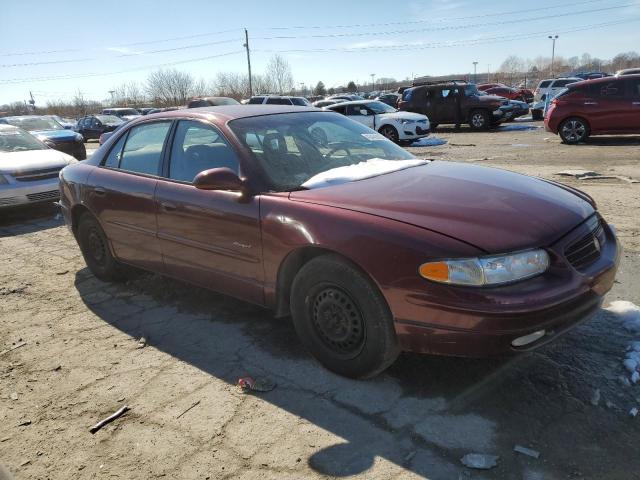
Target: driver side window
(357,110)
(198,147)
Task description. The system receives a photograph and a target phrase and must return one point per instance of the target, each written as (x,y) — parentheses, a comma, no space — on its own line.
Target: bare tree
(169,87)
(279,74)
(512,66)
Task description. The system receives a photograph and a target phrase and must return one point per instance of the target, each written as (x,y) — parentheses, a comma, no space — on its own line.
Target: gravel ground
(82,361)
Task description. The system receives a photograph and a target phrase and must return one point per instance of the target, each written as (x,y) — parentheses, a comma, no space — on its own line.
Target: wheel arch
(293,263)
(579,117)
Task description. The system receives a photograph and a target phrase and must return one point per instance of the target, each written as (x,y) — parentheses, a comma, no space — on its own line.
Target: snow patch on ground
(359,171)
(428,142)
(629,315)
(514,127)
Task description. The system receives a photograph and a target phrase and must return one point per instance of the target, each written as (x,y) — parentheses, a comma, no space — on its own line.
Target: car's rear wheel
(390,132)
(95,250)
(479,120)
(342,318)
(573,130)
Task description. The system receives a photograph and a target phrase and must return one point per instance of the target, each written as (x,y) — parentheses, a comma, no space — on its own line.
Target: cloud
(124,50)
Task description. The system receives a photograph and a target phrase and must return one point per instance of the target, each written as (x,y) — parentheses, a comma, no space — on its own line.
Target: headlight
(406,122)
(79,138)
(485,271)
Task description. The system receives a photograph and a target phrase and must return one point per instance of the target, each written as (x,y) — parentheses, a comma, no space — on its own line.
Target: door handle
(99,191)
(168,207)
(591,103)
(635,103)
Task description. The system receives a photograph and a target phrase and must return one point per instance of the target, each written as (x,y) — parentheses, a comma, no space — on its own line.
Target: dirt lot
(82,361)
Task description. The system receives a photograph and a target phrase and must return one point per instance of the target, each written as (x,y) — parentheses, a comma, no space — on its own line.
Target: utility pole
(373,81)
(475,75)
(553,38)
(246,45)
(111,92)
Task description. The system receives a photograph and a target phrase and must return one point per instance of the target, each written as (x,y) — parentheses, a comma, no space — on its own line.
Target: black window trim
(172,126)
(166,157)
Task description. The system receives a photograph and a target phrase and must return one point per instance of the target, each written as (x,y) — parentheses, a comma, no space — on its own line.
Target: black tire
(479,120)
(390,132)
(537,115)
(573,130)
(95,250)
(342,318)
(82,154)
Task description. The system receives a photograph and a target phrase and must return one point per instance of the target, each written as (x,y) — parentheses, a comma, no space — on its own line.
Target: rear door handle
(169,207)
(591,103)
(101,192)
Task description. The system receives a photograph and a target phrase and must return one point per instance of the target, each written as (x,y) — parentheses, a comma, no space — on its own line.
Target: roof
(602,80)
(6,126)
(20,117)
(232,112)
(354,102)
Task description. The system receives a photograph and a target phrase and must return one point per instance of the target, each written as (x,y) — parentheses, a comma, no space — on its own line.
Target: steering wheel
(337,148)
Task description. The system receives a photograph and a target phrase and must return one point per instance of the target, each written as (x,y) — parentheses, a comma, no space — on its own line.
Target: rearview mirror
(218,179)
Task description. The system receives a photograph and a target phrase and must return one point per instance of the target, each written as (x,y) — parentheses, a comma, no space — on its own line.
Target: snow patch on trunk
(359,171)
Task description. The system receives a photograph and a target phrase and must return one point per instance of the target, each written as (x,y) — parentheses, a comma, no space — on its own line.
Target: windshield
(110,119)
(379,107)
(35,123)
(290,148)
(19,141)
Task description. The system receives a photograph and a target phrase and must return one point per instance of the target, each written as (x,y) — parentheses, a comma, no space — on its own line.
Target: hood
(33,160)
(495,210)
(491,99)
(403,116)
(55,134)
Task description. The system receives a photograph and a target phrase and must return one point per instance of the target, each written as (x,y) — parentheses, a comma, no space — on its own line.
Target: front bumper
(412,131)
(16,194)
(486,322)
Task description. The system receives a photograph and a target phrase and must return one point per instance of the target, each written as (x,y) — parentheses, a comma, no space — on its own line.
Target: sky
(53,49)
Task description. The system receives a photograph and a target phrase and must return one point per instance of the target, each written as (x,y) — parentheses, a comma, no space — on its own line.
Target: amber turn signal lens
(436,271)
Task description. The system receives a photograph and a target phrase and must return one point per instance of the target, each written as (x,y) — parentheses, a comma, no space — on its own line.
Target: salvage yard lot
(82,361)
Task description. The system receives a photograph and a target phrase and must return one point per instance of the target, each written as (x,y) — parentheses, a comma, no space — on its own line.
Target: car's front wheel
(390,132)
(573,130)
(479,120)
(95,250)
(342,318)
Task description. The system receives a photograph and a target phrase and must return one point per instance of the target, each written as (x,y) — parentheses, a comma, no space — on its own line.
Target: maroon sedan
(602,106)
(369,249)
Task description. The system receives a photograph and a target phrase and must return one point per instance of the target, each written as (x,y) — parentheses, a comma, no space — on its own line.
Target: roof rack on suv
(420,83)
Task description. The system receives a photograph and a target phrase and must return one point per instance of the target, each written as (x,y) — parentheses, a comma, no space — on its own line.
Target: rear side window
(634,88)
(339,110)
(544,84)
(143,149)
(300,102)
(113,159)
(256,100)
(563,83)
(278,101)
(612,89)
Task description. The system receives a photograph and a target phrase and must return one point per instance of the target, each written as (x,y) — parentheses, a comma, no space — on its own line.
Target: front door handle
(635,103)
(168,207)
(99,191)
(591,103)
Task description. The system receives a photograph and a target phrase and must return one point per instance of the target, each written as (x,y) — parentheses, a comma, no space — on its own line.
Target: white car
(28,168)
(545,91)
(397,126)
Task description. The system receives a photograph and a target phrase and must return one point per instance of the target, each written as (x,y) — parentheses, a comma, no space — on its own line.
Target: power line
(441,28)
(431,20)
(84,75)
(461,43)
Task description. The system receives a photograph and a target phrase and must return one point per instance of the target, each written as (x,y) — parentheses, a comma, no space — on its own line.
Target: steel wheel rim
(97,248)
(338,322)
(573,130)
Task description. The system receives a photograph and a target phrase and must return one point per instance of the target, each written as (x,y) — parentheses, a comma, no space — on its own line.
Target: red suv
(603,106)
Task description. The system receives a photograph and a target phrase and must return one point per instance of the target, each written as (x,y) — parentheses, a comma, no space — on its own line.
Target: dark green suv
(456,103)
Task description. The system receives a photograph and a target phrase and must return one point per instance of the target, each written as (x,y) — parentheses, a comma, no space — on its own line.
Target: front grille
(586,250)
(33,175)
(50,195)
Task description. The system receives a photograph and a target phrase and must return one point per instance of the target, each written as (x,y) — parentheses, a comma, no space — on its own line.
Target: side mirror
(218,179)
